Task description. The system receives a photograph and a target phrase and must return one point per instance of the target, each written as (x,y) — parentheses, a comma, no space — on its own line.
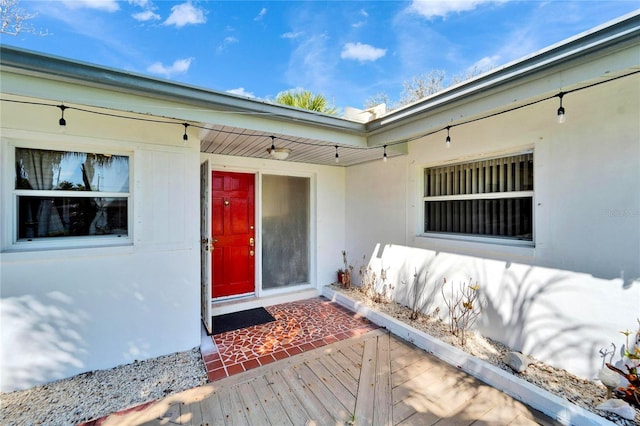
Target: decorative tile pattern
(299,326)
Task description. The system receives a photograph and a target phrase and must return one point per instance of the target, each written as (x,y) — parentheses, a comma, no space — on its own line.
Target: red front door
(233,233)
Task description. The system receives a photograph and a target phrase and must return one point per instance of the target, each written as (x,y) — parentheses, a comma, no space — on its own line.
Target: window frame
(477,238)
(12,242)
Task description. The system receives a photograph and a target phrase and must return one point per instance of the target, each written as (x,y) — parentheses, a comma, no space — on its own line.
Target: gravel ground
(584,393)
(95,394)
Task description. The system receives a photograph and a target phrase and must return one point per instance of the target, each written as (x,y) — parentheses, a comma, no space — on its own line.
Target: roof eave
(55,68)
(613,35)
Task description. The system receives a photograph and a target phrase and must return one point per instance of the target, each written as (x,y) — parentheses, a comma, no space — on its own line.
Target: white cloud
(291,35)
(104,5)
(431,9)
(141,3)
(147,15)
(228,41)
(485,64)
(362,52)
(361,23)
(179,66)
(185,14)
(241,92)
(263,12)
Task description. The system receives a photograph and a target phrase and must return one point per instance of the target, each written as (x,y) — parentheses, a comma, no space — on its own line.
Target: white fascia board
(40,76)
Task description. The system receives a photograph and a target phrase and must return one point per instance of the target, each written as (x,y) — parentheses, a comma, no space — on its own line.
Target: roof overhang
(602,53)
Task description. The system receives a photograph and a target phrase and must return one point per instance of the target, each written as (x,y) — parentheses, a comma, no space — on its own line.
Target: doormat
(242,319)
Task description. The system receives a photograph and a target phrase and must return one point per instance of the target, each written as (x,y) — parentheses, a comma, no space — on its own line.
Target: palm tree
(306,100)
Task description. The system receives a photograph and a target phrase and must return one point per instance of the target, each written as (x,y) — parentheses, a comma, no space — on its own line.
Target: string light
(62,121)
(185,138)
(337,156)
(384,155)
(448,140)
(561,117)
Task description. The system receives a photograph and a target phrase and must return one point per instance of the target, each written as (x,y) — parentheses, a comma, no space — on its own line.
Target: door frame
(205,245)
(258,173)
(257,213)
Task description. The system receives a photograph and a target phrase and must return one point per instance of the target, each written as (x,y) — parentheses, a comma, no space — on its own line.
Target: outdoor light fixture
(384,156)
(278,153)
(62,121)
(337,156)
(448,140)
(185,138)
(561,117)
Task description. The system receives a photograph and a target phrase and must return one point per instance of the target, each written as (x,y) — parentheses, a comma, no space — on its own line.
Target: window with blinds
(488,198)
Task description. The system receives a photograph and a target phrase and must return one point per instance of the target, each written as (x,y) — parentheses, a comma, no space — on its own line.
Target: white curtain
(38,169)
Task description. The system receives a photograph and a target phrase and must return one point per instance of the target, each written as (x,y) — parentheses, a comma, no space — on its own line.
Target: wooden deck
(375,379)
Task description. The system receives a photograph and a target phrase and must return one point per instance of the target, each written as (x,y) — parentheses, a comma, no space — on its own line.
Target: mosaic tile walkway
(299,327)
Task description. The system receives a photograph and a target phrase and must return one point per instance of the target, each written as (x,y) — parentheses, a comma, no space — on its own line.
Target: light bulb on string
(448,140)
(384,155)
(561,113)
(185,137)
(62,121)
(337,156)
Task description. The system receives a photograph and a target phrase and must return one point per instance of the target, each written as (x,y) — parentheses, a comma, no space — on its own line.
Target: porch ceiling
(240,142)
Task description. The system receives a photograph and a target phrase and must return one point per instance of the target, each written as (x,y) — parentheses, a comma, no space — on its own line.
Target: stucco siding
(70,310)
(582,271)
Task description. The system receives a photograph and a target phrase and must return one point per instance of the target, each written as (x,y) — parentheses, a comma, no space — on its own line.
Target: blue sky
(347,50)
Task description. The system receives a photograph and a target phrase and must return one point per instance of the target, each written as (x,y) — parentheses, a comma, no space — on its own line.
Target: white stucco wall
(583,275)
(66,311)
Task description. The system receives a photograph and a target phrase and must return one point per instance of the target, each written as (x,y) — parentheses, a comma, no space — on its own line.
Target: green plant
(464,307)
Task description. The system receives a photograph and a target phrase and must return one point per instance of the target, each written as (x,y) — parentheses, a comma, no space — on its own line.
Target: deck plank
(352,367)
(271,404)
(403,354)
(334,385)
(382,405)
(254,411)
(341,373)
(211,410)
(191,414)
(413,369)
(326,396)
(290,402)
(232,407)
(366,385)
(314,408)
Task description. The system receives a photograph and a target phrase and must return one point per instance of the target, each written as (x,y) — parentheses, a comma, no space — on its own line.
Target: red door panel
(233,233)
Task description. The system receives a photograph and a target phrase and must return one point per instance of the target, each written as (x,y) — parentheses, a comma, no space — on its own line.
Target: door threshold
(219,307)
(232,297)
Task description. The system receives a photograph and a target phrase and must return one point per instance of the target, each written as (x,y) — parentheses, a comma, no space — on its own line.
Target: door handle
(208,244)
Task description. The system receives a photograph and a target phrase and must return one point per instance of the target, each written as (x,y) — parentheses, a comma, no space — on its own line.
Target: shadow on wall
(562,318)
(48,332)
(549,317)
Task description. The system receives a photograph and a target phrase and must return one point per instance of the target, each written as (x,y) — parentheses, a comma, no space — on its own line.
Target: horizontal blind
(514,173)
(454,202)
